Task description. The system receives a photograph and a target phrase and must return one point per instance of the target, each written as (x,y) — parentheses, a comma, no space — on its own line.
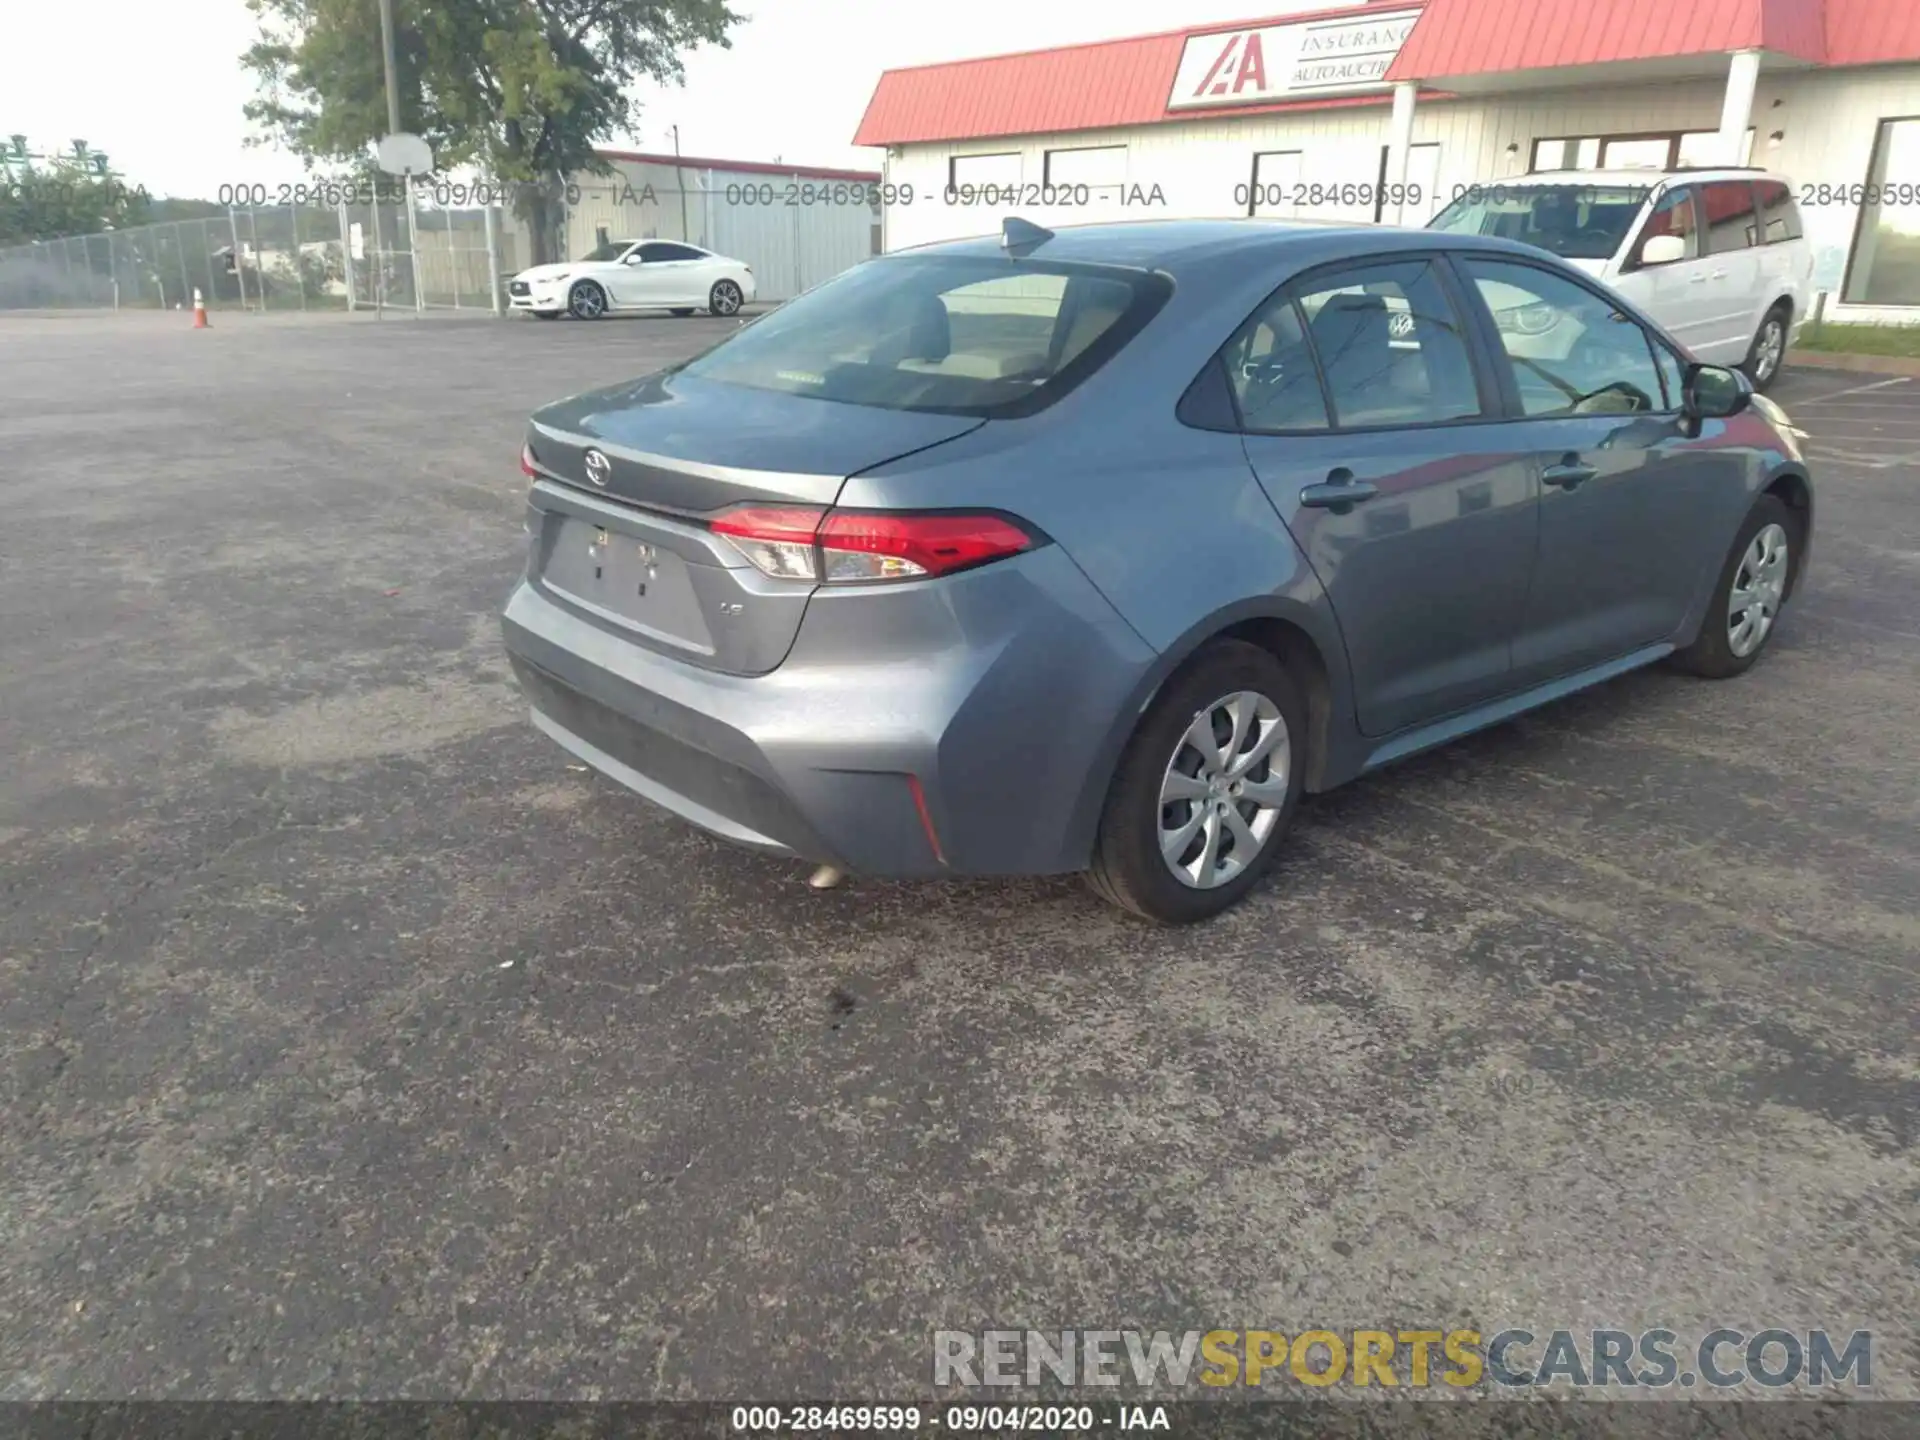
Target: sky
(159,88)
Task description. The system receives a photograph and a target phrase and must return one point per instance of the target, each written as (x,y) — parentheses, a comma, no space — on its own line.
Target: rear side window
(1731,221)
(985,336)
(1389,345)
(1272,373)
(1779,216)
(1573,352)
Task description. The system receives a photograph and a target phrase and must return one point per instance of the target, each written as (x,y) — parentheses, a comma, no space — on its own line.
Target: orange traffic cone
(199,311)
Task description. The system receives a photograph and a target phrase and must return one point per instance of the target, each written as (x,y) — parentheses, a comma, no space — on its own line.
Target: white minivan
(1718,257)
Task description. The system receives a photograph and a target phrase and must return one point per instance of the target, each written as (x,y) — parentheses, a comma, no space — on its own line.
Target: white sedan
(634,275)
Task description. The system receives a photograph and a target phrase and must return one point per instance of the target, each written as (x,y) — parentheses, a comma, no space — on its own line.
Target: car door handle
(1719,274)
(1339,491)
(1569,474)
(1696,280)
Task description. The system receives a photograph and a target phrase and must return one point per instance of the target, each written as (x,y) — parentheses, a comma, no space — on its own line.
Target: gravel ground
(356,1044)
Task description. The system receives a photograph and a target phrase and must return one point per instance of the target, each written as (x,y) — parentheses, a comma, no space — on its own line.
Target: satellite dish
(404,154)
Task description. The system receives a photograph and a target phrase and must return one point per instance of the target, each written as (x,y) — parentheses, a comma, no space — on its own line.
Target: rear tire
(586,301)
(1725,647)
(1168,786)
(1769,349)
(725,298)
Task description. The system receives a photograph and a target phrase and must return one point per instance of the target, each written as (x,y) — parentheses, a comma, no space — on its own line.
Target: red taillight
(527,467)
(842,547)
(875,545)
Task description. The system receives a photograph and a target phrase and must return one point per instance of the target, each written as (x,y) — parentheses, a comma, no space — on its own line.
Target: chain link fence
(444,246)
(374,251)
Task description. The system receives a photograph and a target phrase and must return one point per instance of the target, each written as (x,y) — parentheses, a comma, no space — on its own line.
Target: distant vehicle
(1718,257)
(1094,551)
(634,275)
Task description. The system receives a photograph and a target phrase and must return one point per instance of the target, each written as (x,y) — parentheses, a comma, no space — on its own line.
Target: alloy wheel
(1759,589)
(1769,349)
(587,302)
(1224,788)
(726,298)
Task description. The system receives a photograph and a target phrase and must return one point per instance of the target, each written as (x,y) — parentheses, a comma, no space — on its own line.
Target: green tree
(46,197)
(522,88)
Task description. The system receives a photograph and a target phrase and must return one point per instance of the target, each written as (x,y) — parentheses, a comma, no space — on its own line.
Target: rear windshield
(958,335)
(1580,222)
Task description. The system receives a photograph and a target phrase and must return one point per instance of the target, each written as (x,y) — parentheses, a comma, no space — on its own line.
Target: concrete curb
(1870,364)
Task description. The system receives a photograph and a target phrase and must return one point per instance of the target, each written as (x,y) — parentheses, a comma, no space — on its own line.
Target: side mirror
(1713,392)
(1663,250)
(636,258)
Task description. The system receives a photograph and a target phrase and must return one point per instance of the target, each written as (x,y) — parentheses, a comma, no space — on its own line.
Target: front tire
(1769,349)
(1753,588)
(725,298)
(1206,788)
(586,301)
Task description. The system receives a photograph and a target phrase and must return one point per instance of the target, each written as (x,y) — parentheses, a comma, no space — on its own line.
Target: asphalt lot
(356,1044)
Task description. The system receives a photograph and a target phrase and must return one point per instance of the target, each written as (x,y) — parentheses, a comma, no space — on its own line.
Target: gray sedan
(1095,550)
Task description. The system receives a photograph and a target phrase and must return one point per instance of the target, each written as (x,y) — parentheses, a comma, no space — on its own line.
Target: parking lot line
(1857,390)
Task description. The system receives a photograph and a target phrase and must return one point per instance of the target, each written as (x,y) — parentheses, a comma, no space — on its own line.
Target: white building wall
(1202,168)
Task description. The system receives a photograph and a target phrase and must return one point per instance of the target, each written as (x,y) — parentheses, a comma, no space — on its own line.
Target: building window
(1101,168)
(1276,176)
(1666,150)
(1885,268)
(1699,149)
(1418,201)
(973,173)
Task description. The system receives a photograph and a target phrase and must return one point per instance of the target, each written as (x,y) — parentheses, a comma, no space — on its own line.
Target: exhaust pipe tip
(827,877)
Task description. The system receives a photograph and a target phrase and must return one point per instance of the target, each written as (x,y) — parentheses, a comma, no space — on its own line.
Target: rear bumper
(988,693)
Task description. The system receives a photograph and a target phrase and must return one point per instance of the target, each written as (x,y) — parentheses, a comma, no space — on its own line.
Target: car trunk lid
(630,476)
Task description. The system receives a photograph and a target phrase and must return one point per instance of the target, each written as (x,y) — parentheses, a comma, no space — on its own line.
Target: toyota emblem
(599,468)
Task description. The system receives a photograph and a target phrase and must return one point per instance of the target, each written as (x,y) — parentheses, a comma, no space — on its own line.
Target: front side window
(1673,213)
(1572,352)
(655,252)
(1389,345)
(1730,220)
(1579,222)
(948,334)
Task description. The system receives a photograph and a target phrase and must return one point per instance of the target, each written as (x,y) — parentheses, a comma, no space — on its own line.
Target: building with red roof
(1382,112)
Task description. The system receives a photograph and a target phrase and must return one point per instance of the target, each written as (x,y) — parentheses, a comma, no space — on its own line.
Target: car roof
(1190,247)
(1643,178)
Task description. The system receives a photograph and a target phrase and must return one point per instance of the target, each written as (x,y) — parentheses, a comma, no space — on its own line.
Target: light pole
(386,58)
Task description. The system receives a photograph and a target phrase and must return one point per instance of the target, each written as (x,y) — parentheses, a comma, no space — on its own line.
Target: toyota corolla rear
(899,692)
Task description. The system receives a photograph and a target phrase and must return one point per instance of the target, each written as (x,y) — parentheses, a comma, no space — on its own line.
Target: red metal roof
(1112,83)
(1481,37)
(1872,32)
(751,167)
(1074,87)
